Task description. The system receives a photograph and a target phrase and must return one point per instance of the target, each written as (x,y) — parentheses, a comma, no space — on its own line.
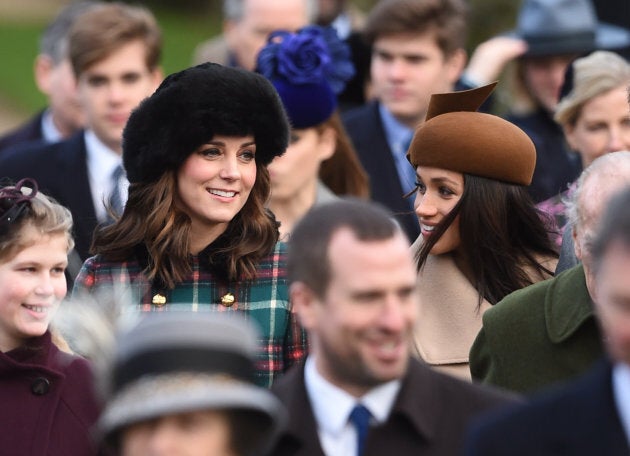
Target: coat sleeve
(480,358)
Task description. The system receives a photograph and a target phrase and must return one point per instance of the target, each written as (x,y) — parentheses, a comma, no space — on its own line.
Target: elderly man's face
(261,17)
(596,193)
(612,300)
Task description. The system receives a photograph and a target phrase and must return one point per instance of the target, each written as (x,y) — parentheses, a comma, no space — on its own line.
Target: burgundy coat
(48,405)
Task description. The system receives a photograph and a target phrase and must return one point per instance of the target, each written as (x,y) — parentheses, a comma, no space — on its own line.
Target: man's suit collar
(301,430)
(568,304)
(418,402)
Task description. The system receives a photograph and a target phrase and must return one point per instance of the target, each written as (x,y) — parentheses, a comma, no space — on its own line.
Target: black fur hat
(192,106)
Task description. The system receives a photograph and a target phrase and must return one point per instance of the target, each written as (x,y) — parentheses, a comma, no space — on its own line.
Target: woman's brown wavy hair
(343,173)
(153,218)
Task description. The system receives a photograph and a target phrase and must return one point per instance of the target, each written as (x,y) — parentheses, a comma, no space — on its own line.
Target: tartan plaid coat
(263,299)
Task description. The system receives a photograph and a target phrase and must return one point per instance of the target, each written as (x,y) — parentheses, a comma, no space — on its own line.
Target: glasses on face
(13,203)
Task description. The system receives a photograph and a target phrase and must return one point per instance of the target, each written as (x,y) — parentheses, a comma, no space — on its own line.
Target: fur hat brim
(191,107)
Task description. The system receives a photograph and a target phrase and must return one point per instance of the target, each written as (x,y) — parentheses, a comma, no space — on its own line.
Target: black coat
(31,130)
(579,419)
(365,128)
(60,170)
(556,165)
(429,417)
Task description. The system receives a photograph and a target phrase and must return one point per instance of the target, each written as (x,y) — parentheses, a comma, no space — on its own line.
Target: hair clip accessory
(13,201)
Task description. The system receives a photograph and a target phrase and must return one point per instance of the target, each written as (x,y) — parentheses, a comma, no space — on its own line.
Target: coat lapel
(565,316)
(449,318)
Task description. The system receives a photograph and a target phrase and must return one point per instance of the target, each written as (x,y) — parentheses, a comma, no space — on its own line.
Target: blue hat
(308,69)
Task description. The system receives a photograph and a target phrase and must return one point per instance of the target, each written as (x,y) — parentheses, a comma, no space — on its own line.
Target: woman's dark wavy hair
(501,232)
(152,217)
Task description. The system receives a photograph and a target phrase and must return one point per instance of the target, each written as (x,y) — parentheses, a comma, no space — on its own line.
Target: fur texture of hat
(457,138)
(191,107)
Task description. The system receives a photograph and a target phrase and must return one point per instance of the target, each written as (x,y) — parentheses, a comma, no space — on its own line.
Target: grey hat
(552,27)
(176,362)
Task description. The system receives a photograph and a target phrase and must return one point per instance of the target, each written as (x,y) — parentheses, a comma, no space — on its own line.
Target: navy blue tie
(360,418)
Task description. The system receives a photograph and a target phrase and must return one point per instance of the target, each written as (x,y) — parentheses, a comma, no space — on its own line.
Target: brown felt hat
(456,137)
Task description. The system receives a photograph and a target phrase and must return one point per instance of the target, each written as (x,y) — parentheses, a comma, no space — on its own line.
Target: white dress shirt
(101,163)
(50,132)
(332,406)
(621,393)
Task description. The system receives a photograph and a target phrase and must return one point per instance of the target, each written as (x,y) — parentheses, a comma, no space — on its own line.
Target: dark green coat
(539,335)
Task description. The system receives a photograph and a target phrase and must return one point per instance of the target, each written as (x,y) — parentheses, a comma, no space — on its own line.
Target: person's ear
(230,32)
(327,143)
(455,64)
(569,134)
(304,302)
(577,245)
(158,77)
(42,69)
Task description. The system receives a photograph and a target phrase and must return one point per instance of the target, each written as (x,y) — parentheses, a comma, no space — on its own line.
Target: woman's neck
(289,210)
(202,236)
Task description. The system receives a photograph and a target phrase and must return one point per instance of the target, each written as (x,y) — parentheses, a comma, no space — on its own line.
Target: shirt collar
(101,159)
(50,132)
(397,134)
(331,405)
(621,393)
(342,25)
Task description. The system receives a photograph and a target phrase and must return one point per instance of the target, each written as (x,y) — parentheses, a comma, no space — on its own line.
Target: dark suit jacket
(60,170)
(367,133)
(429,416)
(31,130)
(579,419)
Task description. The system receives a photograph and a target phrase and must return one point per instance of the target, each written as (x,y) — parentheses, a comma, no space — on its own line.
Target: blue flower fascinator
(308,69)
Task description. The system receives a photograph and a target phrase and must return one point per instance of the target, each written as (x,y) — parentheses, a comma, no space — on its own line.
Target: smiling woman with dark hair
(481,236)
(195,234)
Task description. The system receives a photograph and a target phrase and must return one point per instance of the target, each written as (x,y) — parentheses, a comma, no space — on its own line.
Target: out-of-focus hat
(308,69)
(175,362)
(552,27)
(456,137)
(192,106)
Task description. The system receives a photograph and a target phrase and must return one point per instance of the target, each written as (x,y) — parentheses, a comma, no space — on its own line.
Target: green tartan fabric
(264,300)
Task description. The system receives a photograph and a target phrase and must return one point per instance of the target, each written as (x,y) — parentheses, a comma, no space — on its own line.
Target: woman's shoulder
(101,264)
(278,252)
(98,271)
(548,262)
(273,266)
